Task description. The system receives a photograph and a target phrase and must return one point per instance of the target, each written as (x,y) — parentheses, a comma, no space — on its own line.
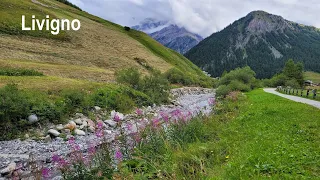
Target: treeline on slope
(69,4)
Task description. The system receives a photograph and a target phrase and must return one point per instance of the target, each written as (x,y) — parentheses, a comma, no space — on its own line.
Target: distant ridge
(261,40)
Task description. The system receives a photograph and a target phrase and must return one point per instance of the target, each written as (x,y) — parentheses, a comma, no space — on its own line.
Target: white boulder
(53,132)
(79,132)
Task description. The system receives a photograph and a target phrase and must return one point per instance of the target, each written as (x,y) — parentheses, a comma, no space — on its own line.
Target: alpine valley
(261,40)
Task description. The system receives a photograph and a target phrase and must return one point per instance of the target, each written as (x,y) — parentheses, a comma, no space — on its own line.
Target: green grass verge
(273,138)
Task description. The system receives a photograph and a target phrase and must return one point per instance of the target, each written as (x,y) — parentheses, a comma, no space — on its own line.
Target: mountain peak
(260,22)
(169,34)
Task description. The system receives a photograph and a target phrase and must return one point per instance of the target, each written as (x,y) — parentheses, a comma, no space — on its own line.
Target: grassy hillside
(93,53)
(313,76)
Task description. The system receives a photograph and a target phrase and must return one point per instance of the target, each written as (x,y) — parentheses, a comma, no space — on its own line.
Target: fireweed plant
(138,147)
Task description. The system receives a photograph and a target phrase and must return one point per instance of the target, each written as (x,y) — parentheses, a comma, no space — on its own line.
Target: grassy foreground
(272,137)
(256,136)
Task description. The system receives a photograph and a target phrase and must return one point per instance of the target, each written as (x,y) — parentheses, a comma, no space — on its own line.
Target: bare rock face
(262,22)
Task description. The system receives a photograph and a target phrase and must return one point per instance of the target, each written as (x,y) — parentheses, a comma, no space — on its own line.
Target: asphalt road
(294,98)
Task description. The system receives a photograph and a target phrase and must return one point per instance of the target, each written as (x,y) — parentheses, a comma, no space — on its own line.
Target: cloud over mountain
(202,16)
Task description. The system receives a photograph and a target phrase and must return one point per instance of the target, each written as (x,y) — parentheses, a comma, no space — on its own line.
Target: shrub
(74,99)
(292,83)
(130,77)
(127,28)
(175,76)
(245,75)
(236,85)
(156,86)
(240,79)
(19,72)
(278,80)
(223,91)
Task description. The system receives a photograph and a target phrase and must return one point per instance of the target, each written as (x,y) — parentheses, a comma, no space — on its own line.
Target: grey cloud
(200,16)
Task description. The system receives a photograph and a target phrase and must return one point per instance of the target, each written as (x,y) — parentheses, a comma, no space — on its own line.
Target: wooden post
(301,92)
(308,91)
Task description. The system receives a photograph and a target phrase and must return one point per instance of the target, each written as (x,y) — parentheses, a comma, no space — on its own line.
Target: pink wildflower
(99,133)
(139,112)
(92,150)
(155,122)
(100,125)
(165,117)
(45,172)
(129,127)
(117,118)
(56,158)
(118,155)
(211,101)
(71,140)
(76,147)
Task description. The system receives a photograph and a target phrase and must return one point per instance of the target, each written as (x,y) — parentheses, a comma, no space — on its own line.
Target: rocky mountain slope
(170,35)
(261,40)
(94,53)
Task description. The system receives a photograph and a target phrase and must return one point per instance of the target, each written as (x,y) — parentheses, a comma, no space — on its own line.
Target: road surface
(294,98)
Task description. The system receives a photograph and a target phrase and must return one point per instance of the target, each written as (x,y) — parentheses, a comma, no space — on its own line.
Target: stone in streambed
(59,127)
(111,123)
(78,121)
(9,169)
(53,132)
(79,132)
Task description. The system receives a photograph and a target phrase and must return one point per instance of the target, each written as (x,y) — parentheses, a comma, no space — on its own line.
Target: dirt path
(294,98)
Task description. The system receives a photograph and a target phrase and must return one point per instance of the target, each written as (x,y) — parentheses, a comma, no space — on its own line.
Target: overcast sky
(200,16)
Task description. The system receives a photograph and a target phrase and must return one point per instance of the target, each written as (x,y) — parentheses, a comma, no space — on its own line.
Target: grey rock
(9,169)
(79,132)
(97,108)
(53,132)
(33,118)
(111,123)
(78,121)
(59,127)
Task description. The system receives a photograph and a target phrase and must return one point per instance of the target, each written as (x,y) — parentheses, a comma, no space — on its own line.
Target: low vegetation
(19,72)
(17,104)
(155,85)
(240,79)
